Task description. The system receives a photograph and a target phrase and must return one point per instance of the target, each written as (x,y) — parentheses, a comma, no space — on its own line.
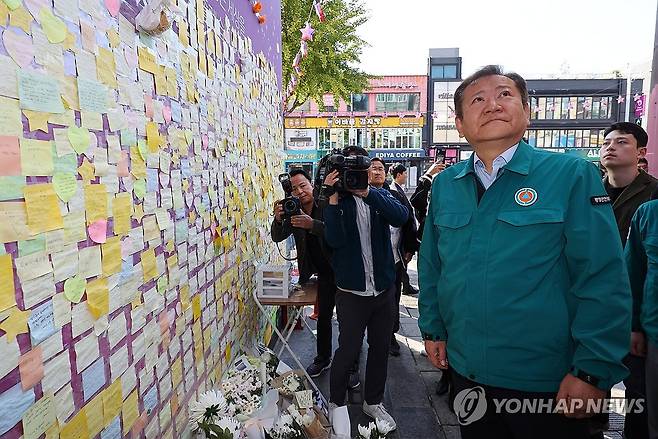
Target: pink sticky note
(122,167)
(204,140)
(113,7)
(19,46)
(166,112)
(98,231)
(30,366)
(10,156)
(148,104)
(131,56)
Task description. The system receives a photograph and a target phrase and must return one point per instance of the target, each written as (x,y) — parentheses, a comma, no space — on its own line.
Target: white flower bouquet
(375,430)
(289,383)
(286,427)
(243,390)
(210,415)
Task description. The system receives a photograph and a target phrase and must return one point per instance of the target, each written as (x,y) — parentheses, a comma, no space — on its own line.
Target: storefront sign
(354,122)
(297,139)
(591,154)
(397,154)
(301,156)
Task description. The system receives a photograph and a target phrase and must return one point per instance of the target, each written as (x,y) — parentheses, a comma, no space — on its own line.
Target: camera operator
(357,229)
(308,231)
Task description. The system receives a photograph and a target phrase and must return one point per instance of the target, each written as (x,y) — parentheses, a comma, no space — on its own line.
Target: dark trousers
(636,425)
(516,425)
(406,283)
(400,270)
(355,315)
(326,303)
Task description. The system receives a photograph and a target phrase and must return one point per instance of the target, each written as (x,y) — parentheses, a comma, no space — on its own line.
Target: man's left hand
(361,192)
(408,257)
(575,394)
(302,221)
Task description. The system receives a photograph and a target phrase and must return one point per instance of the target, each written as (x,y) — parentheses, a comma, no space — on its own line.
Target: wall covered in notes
(136,180)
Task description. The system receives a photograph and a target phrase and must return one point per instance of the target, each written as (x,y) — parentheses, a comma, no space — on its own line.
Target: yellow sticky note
(129,412)
(95,202)
(39,418)
(7,296)
(98,297)
(106,67)
(138,213)
(54,28)
(148,265)
(111,256)
(37,120)
(137,163)
(185,296)
(86,170)
(146,60)
(15,324)
(10,117)
(121,207)
(152,137)
(42,208)
(22,19)
(36,157)
(112,400)
(76,428)
(196,306)
(13,222)
(94,414)
(113,37)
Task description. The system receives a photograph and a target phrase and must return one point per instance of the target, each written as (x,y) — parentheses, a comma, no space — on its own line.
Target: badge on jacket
(526,196)
(603,199)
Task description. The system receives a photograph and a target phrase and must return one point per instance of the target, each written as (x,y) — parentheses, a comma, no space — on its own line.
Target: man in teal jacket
(523,288)
(642,260)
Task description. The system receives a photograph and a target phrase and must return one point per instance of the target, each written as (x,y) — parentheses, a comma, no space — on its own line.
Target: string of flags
(307,35)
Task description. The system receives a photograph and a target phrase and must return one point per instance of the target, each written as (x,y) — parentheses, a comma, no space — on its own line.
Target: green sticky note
(79,138)
(128,137)
(38,92)
(65,186)
(2,249)
(11,188)
(139,188)
(143,149)
(92,95)
(74,288)
(12,4)
(32,246)
(162,284)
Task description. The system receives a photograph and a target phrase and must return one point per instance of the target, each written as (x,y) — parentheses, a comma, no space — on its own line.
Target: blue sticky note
(176,112)
(185,167)
(151,180)
(93,379)
(150,400)
(13,405)
(113,431)
(42,323)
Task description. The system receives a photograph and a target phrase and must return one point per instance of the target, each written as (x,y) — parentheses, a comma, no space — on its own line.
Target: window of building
(383,138)
(565,138)
(444,72)
(397,102)
(570,107)
(305,107)
(360,102)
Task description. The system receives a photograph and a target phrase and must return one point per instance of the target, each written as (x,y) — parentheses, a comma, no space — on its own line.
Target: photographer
(357,228)
(308,232)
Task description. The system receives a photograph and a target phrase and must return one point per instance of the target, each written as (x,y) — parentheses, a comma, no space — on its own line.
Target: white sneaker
(379,413)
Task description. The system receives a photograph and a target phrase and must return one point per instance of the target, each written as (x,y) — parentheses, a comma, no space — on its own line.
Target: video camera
(352,170)
(291,204)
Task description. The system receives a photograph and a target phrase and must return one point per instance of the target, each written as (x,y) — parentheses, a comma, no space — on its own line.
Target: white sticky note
(9,352)
(65,262)
(86,352)
(81,319)
(119,362)
(64,404)
(89,259)
(56,372)
(52,346)
(37,290)
(61,310)
(33,265)
(117,330)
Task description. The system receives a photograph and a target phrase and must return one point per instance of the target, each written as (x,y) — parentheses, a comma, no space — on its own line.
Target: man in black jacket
(399,174)
(628,187)
(308,231)
(403,239)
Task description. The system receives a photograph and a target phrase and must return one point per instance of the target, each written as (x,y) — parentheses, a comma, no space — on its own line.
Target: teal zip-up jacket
(642,260)
(530,283)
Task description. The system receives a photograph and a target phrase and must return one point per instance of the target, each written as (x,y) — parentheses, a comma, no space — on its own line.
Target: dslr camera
(352,170)
(291,204)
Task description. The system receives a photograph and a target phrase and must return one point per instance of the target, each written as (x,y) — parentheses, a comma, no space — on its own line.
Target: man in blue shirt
(357,229)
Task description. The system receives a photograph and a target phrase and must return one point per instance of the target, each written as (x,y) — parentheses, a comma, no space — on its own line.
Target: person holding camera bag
(357,229)
(299,215)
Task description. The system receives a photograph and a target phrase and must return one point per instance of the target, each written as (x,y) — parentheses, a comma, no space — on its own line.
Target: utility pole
(652,119)
(628,92)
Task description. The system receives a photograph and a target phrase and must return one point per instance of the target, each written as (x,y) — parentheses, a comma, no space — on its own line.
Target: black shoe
(353,381)
(318,366)
(442,386)
(394,350)
(411,291)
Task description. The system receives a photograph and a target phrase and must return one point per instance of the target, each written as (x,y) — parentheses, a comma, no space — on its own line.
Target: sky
(538,39)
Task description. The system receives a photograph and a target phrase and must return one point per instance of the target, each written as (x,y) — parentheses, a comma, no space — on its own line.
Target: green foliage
(334,54)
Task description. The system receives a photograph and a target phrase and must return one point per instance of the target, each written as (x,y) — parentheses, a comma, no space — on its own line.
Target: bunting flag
(307,35)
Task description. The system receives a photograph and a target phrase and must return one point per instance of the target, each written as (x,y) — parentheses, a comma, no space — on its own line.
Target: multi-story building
(387,120)
(566,115)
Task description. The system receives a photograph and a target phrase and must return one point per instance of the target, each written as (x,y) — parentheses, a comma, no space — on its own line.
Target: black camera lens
(291,206)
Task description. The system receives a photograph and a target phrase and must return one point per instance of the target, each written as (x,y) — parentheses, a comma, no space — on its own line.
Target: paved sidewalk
(409,395)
